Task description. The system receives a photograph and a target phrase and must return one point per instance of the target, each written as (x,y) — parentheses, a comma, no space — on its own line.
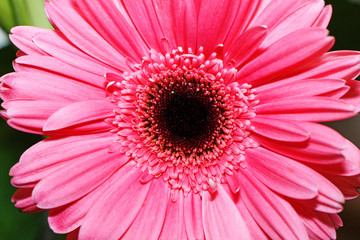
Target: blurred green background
(345,26)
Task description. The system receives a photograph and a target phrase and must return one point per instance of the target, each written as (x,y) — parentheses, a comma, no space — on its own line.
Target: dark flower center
(185,114)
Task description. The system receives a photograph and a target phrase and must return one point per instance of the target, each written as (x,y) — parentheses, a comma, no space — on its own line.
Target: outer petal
(117,31)
(174,226)
(193,217)
(53,153)
(281,174)
(77,178)
(222,220)
(334,65)
(118,207)
(149,222)
(285,55)
(324,146)
(298,89)
(23,200)
(82,34)
(54,65)
(303,17)
(55,44)
(22,37)
(90,114)
(246,44)
(280,130)
(222,15)
(312,109)
(275,216)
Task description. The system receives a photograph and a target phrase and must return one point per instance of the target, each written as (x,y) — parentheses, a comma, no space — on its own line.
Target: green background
(14,225)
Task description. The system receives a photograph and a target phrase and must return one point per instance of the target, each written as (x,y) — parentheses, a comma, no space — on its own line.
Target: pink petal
(272,13)
(118,207)
(48,155)
(69,217)
(40,85)
(318,224)
(64,14)
(221,218)
(323,147)
(153,210)
(29,115)
(47,63)
(117,31)
(313,109)
(324,17)
(285,55)
(255,231)
(23,200)
(22,37)
(281,174)
(334,65)
(55,44)
(245,14)
(222,15)
(77,178)
(193,217)
(88,113)
(174,219)
(280,130)
(303,17)
(246,44)
(295,89)
(275,216)
(353,95)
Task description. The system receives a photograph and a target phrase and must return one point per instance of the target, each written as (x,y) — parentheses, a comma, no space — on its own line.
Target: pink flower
(184,119)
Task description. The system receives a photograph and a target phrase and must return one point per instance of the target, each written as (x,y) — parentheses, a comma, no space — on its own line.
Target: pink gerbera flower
(184,119)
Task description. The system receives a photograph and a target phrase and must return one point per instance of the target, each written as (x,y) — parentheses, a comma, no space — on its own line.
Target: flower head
(184,119)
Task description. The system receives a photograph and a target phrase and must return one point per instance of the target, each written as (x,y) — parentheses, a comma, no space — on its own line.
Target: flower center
(185,114)
(182,117)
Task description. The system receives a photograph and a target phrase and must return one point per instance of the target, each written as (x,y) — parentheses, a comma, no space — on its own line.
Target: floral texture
(184,119)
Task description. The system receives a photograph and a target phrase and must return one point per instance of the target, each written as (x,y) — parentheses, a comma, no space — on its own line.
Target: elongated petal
(77,178)
(82,34)
(22,37)
(324,17)
(47,63)
(246,44)
(222,14)
(69,217)
(324,146)
(118,32)
(55,44)
(117,209)
(275,216)
(335,65)
(193,217)
(281,174)
(82,113)
(295,89)
(153,210)
(303,17)
(29,115)
(312,109)
(285,55)
(280,130)
(23,200)
(174,217)
(221,218)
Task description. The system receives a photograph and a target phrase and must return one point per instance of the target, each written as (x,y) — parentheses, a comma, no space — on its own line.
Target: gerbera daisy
(184,119)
